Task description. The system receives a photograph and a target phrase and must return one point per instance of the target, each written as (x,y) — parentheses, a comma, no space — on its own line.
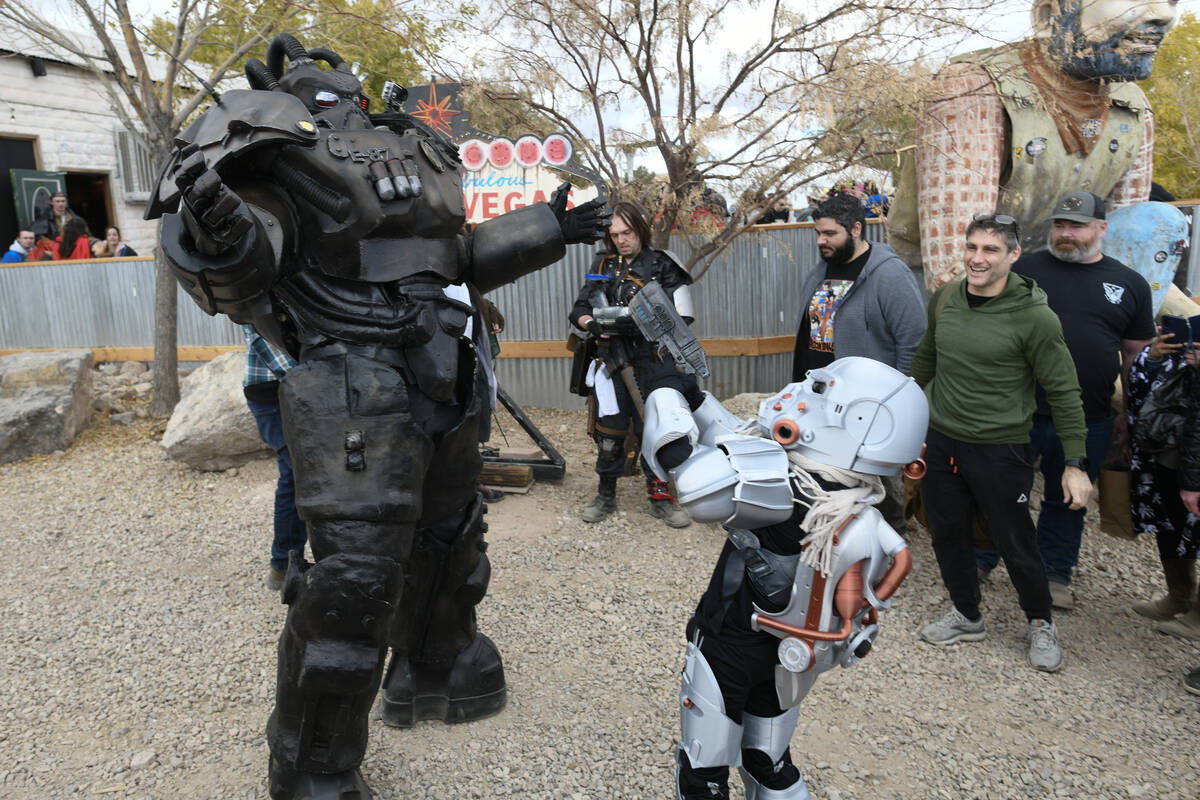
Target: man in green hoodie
(991,337)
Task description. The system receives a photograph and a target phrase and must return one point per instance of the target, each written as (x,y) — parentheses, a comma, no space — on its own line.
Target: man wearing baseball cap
(1107,318)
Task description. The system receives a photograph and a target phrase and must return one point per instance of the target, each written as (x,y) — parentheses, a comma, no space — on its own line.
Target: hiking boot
(1192,682)
(1161,608)
(1061,596)
(605,501)
(274,580)
(1044,652)
(1181,586)
(670,513)
(1185,626)
(953,627)
(600,507)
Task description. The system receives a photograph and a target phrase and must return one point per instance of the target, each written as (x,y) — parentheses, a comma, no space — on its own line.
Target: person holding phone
(1161,504)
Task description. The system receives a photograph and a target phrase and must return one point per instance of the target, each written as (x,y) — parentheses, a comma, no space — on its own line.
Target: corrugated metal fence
(750,292)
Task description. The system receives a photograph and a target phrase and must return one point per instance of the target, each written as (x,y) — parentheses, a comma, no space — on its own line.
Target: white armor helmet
(856,413)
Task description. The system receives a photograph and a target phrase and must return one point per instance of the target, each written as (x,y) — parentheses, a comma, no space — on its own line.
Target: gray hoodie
(882,316)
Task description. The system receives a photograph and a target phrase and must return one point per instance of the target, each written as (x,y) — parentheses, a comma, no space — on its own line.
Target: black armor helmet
(319,89)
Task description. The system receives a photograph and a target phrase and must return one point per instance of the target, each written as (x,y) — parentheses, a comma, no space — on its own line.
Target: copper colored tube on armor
(897,572)
(805,633)
(847,599)
(916,469)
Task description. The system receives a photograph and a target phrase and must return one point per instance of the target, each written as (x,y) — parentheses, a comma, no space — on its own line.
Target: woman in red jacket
(74,242)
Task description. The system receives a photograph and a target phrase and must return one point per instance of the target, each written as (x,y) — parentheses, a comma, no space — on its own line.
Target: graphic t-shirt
(822,308)
(1099,305)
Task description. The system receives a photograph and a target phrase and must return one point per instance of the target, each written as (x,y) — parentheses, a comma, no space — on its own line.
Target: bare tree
(748,98)
(154,97)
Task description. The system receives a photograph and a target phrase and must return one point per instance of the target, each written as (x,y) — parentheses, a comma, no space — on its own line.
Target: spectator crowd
(63,235)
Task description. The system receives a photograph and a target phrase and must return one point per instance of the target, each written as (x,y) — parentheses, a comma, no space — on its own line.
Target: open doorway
(88,196)
(14,154)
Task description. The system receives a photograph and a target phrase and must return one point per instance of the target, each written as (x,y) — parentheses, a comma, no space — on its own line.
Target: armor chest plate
(405,206)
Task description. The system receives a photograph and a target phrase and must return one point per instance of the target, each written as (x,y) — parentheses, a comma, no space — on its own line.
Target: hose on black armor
(328,56)
(284,43)
(259,76)
(335,205)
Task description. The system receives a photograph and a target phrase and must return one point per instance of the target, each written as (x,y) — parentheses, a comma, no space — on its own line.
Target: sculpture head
(1112,40)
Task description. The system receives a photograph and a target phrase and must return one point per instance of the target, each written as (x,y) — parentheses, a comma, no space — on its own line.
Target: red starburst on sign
(436,113)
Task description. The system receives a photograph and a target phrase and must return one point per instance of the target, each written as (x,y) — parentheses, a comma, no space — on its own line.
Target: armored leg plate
(471,688)
(286,784)
(707,736)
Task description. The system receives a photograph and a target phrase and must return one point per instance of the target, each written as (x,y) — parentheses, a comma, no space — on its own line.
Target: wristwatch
(1078,463)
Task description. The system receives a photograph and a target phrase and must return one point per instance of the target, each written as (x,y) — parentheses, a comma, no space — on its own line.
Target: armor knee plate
(338,616)
(771,735)
(707,736)
(330,659)
(756,791)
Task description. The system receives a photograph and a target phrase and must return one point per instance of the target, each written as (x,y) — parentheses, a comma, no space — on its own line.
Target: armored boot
(605,502)
(442,668)
(663,506)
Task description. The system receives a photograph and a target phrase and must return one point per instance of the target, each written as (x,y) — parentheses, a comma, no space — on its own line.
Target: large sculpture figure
(1010,130)
(334,231)
(799,583)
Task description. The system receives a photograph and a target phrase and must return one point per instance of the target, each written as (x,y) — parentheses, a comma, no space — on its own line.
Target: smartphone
(1186,330)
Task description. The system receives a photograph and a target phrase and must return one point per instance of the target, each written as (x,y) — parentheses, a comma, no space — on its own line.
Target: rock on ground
(212,428)
(137,628)
(45,400)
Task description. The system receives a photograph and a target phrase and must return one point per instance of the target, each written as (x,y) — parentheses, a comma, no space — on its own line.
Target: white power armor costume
(799,584)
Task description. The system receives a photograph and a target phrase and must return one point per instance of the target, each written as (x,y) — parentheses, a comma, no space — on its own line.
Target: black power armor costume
(334,231)
(612,283)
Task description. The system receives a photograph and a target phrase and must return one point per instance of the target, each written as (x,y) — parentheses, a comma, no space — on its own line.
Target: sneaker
(1044,652)
(1192,682)
(274,580)
(953,627)
(670,513)
(1061,596)
(600,507)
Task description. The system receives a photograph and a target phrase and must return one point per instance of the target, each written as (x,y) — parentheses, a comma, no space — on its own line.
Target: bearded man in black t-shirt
(1107,318)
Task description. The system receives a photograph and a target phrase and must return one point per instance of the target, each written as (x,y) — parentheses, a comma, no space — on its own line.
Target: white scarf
(830,509)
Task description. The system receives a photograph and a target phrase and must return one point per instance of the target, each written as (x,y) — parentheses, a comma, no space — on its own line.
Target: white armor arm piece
(741,481)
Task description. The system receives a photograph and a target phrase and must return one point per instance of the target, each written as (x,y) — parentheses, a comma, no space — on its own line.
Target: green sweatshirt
(978,367)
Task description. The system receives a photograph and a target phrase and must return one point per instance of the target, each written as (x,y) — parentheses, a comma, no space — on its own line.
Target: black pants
(998,479)
(649,373)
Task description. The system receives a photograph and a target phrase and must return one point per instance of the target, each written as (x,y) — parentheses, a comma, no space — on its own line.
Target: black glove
(593,327)
(214,215)
(584,223)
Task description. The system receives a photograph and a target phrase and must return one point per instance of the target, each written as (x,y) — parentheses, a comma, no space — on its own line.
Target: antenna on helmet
(208,88)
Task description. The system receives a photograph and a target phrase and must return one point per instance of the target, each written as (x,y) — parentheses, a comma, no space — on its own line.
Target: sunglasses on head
(1002,219)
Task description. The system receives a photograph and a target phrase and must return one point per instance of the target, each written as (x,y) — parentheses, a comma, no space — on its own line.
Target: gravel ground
(137,654)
